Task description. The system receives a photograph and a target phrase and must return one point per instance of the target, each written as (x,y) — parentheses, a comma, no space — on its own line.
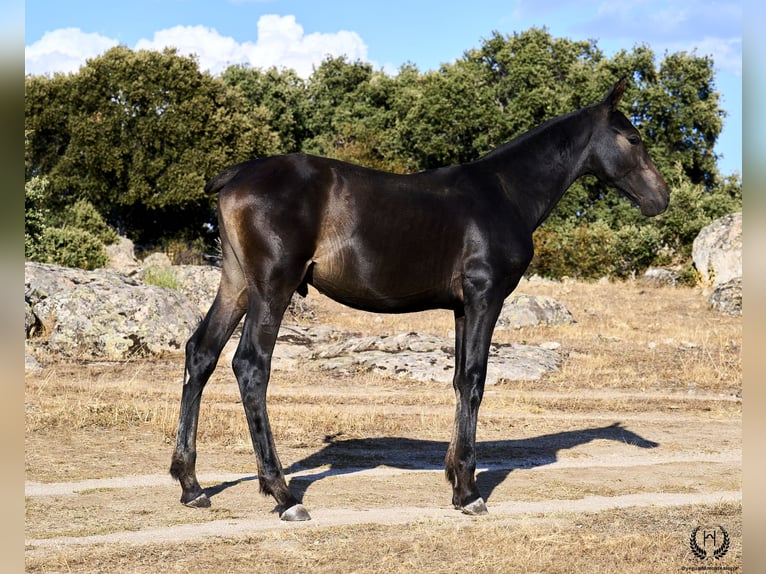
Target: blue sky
(61,35)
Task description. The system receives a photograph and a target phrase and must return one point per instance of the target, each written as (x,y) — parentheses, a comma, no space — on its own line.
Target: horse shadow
(496,459)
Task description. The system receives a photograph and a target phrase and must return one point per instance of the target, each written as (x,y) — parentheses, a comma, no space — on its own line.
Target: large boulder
(199,283)
(532,310)
(103,314)
(122,255)
(727,297)
(717,255)
(717,250)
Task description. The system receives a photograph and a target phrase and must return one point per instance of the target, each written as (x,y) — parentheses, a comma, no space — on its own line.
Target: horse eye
(634,139)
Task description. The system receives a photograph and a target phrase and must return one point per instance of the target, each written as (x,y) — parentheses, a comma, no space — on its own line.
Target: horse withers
(456,238)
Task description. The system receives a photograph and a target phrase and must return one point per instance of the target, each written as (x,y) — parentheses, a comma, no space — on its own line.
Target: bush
(585,250)
(74,237)
(594,250)
(71,247)
(590,250)
(35,215)
(692,207)
(83,215)
(636,248)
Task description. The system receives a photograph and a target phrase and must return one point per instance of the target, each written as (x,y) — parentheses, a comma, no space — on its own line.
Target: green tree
(282,93)
(349,115)
(336,96)
(534,76)
(138,134)
(46,121)
(445,117)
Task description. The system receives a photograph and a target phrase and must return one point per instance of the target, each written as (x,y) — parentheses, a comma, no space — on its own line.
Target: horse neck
(537,167)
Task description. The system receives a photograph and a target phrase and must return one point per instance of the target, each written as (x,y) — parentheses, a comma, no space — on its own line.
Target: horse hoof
(475,508)
(295,513)
(202,501)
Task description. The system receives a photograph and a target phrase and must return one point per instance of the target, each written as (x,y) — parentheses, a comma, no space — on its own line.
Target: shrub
(582,250)
(692,207)
(73,237)
(71,247)
(35,215)
(636,248)
(82,215)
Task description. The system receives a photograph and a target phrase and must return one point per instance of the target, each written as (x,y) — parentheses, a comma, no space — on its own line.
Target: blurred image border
(12,268)
(754,286)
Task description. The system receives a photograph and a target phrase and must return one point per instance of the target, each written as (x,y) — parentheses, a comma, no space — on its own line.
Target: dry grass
(627,341)
(630,541)
(656,359)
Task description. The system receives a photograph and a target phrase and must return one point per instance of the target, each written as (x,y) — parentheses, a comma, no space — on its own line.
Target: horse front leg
(252,366)
(473,335)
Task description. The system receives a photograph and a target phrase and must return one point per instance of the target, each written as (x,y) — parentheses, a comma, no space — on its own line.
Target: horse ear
(615,93)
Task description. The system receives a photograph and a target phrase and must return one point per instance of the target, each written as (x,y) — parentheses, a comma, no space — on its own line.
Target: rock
(30,321)
(532,310)
(199,283)
(656,277)
(122,255)
(105,315)
(424,357)
(421,357)
(717,250)
(550,345)
(717,255)
(727,297)
(418,343)
(157,260)
(30,363)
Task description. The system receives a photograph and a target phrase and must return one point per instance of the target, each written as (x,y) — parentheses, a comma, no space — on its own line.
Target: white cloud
(214,52)
(280,42)
(283,43)
(726,53)
(64,50)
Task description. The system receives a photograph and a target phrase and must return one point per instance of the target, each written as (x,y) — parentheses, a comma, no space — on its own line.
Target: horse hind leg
(202,352)
(252,367)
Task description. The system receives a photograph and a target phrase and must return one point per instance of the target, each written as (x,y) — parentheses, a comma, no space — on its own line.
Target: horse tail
(218,182)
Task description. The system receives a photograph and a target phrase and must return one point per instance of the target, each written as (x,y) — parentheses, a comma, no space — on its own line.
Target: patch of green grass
(162,277)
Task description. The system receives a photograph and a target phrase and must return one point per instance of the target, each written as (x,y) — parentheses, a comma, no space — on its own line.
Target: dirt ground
(626,459)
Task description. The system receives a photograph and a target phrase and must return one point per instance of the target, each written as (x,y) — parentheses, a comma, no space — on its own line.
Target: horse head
(619,157)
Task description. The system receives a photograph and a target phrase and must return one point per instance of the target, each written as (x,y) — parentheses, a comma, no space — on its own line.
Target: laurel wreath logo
(701,553)
(698,551)
(721,551)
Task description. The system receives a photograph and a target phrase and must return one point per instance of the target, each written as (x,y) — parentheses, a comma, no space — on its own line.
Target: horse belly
(393,279)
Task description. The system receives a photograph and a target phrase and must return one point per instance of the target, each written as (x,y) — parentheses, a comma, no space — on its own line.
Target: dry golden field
(607,465)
